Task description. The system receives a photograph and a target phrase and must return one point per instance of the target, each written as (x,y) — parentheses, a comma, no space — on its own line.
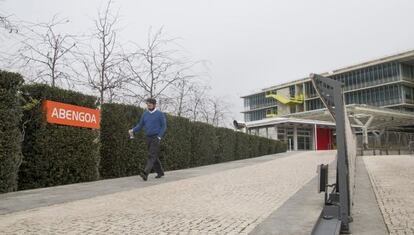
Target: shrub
(203,144)
(56,154)
(10,135)
(226,144)
(176,145)
(185,144)
(242,146)
(120,155)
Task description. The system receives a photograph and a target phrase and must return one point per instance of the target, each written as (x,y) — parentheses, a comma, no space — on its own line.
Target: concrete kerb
(367,217)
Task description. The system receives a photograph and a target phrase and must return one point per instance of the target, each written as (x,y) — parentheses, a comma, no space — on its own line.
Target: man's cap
(151,101)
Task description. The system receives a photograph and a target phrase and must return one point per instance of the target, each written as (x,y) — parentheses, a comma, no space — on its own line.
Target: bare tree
(6,28)
(6,24)
(45,53)
(103,64)
(187,94)
(188,97)
(220,110)
(214,111)
(197,101)
(183,87)
(154,69)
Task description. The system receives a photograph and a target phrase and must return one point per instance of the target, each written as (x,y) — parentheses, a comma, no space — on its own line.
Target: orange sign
(71,115)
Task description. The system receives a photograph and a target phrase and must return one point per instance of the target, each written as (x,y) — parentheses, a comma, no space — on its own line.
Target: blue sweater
(154,124)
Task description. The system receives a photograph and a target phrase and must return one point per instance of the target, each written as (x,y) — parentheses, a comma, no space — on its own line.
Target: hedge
(226,144)
(203,144)
(120,156)
(56,154)
(10,135)
(186,144)
(176,152)
(242,146)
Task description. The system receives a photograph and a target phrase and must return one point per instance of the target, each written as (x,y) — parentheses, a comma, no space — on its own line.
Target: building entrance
(304,139)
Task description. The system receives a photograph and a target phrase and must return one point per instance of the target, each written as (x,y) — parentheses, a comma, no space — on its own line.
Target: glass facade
(408,95)
(310,91)
(258,101)
(286,135)
(378,85)
(314,104)
(377,96)
(407,72)
(255,115)
(305,139)
(370,76)
(256,106)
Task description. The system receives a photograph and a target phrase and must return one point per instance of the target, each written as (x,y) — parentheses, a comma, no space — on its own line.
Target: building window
(304,137)
(409,95)
(292,91)
(292,109)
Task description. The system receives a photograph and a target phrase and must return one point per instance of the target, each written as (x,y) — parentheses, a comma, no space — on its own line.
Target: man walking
(154,123)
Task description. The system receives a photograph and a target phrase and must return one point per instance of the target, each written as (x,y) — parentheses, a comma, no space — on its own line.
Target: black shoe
(159,176)
(144,176)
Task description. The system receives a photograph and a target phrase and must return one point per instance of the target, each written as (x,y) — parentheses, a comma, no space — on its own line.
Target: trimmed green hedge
(186,144)
(10,135)
(226,144)
(203,144)
(176,145)
(56,154)
(120,156)
(242,150)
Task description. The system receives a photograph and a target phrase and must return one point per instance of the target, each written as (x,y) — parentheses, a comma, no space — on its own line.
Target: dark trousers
(153,161)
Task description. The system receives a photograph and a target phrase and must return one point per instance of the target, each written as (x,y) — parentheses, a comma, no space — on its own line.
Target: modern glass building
(386,83)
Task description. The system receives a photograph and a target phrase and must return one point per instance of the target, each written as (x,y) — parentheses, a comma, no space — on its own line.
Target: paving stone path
(232,201)
(392,178)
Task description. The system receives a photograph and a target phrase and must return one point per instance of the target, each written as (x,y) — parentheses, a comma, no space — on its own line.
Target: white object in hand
(131,134)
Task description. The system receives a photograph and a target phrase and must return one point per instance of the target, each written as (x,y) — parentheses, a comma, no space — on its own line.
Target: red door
(324,138)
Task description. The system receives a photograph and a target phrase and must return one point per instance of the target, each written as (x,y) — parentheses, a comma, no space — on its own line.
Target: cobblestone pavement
(227,202)
(392,178)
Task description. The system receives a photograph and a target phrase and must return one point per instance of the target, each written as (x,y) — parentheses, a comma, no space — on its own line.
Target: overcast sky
(251,44)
